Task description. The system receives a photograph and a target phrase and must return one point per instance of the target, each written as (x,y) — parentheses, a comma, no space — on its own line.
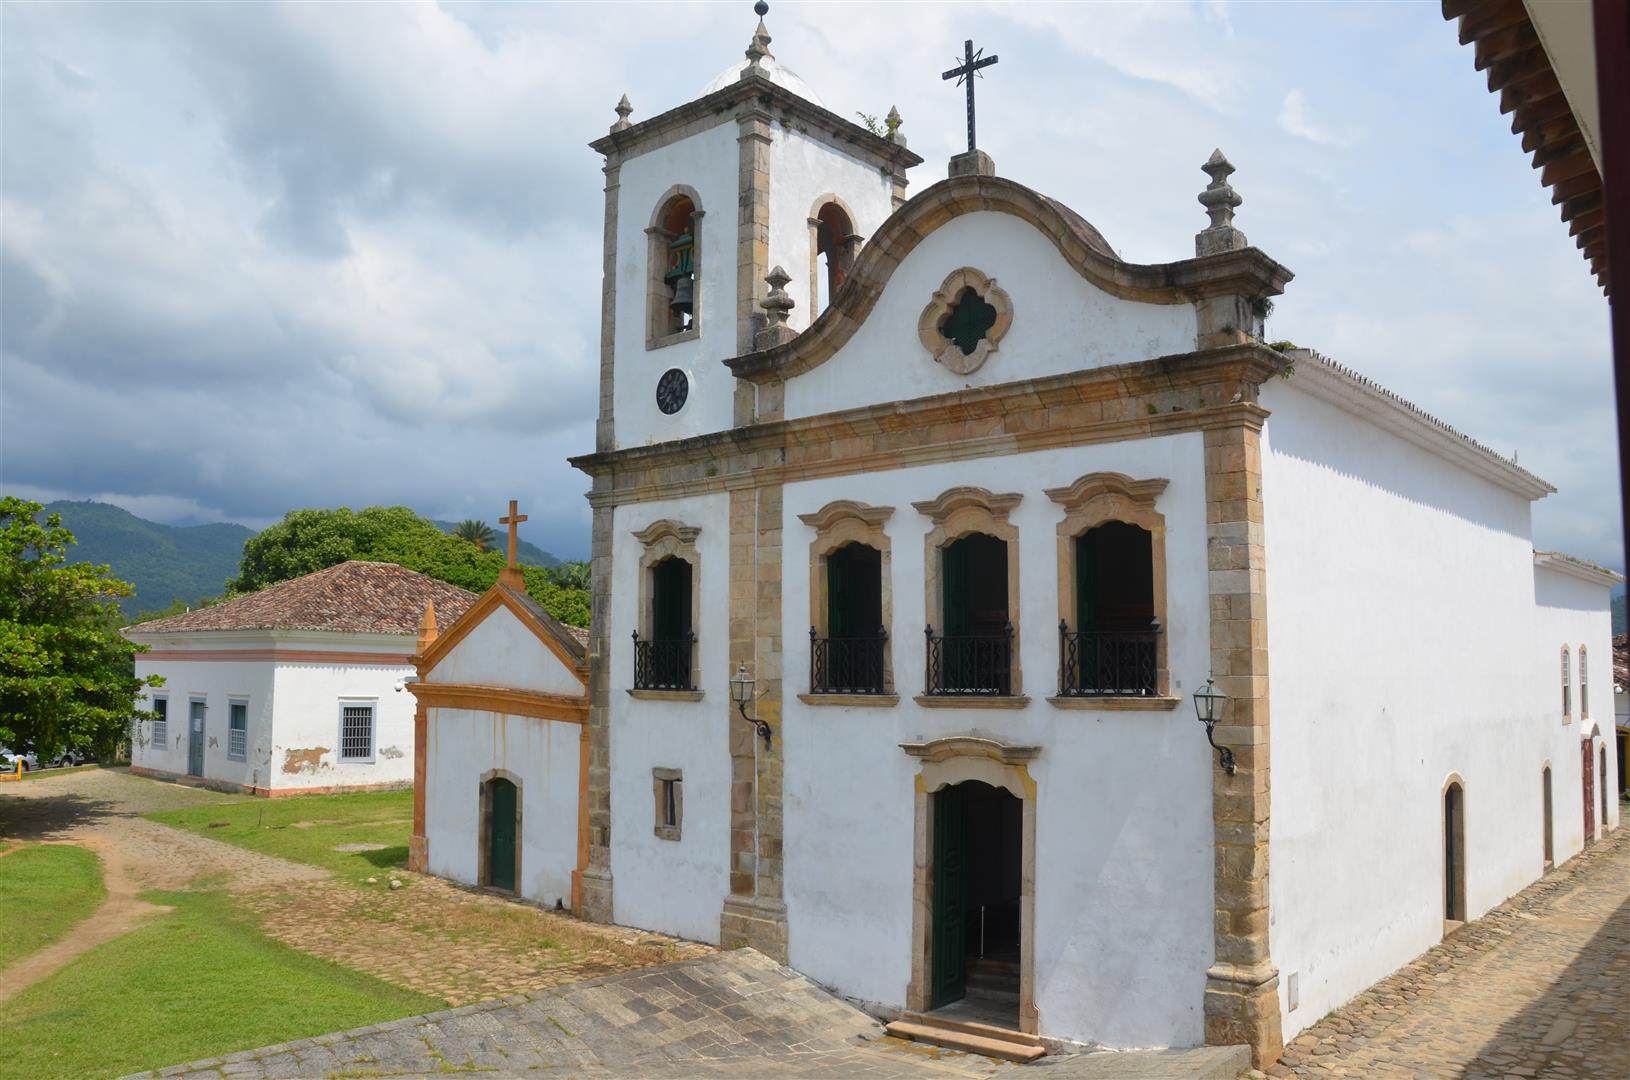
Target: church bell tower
(703,203)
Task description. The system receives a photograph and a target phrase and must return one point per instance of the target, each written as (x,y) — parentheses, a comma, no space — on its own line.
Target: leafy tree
(571,575)
(178,606)
(67,676)
(478,533)
(309,540)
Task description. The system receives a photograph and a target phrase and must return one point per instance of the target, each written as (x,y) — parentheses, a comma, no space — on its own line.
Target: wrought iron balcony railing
(1107,663)
(846,665)
(663,664)
(969,663)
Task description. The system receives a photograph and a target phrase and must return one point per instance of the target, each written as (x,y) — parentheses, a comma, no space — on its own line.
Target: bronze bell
(684,296)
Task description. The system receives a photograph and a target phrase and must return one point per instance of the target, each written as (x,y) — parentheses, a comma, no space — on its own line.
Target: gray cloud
(261,256)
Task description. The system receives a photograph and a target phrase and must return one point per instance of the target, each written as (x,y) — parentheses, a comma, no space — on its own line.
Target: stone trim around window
(946,353)
(838,524)
(956,513)
(661,540)
(1096,499)
(660,779)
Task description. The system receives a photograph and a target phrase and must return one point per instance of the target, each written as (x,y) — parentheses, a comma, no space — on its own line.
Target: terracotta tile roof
(1621,661)
(353,597)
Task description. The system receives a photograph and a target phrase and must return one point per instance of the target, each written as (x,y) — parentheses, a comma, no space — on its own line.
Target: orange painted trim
(287,656)
(264,792)
(421,723)
(502,699)
(494,598)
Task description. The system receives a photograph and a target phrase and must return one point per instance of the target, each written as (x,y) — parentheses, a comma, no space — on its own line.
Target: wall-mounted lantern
(1209,703)
(741,692)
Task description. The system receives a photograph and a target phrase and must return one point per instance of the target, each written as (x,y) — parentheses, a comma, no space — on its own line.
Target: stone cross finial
(777,306)
(893,122)
(513,520)
(758,49)
(1219,198)
(622,110)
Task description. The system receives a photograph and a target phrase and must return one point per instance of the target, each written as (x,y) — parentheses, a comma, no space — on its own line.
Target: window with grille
(1584,686)
(237,732)
(161,726)
(1567,688)
(356,732)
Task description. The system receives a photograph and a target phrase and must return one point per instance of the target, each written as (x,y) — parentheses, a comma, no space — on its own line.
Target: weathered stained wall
(217,682)
(502,651)
(309,697)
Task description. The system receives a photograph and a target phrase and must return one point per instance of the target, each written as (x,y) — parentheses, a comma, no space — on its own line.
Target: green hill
(526,553)
(164,562)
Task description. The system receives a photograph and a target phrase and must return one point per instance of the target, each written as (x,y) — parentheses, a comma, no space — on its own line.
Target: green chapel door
(948,932)
(501,834)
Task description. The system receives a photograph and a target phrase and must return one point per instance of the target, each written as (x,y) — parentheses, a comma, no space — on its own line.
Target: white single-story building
(292,690)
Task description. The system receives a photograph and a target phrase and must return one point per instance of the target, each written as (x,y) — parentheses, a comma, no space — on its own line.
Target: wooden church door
(948,930)
(501,834)
(1589,785)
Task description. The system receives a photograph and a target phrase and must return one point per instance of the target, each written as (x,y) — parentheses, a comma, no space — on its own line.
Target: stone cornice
(953,499)
(842,509)
(1095,484)
(658,530)
(760,94)
(971,746)
(1577,568)
(1247,273)
(1351,392)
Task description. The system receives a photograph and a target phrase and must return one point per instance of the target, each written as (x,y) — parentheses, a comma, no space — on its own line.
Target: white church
(927,531)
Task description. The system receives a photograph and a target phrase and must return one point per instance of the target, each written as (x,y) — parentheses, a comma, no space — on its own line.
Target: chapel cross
(971,63)
(513,521)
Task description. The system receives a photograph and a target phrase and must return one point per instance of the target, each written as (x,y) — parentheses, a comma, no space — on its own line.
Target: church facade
(964,510)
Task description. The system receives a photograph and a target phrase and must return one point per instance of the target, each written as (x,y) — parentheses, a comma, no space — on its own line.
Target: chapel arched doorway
(1454,855)
(500,833)
(978,847)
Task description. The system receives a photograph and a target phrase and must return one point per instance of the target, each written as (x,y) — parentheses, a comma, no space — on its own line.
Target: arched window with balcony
(673,291)
(850,601)
(972,597)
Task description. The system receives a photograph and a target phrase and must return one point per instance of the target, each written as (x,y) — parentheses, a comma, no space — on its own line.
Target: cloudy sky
(260,256)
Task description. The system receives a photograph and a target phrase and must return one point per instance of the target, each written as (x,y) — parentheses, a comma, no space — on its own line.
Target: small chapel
(993,629)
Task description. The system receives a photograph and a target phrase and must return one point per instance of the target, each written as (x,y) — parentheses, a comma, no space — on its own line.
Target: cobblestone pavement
(1538,987)
(734,1014)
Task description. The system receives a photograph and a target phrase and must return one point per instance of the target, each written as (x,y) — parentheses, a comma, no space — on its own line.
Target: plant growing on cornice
(1283,345)
(873,125)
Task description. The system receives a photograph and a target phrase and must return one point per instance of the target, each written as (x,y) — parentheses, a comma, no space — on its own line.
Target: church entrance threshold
(976,933)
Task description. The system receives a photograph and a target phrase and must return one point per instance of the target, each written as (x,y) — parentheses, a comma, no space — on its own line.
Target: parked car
(9,759)
(70,758)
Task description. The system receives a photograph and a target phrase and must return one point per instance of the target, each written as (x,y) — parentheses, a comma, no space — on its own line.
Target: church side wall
(541,756)
(675,886)
(217,682)
(706,163)
(802,170)
(1573,612)
(305,742)
(1061,323)
(1123,866)
(1402,637)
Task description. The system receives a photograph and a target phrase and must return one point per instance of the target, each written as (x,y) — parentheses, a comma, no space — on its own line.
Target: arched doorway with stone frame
(970,763)
(499,856)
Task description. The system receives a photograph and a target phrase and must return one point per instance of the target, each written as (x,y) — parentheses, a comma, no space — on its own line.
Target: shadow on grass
(51,817)
(391,858)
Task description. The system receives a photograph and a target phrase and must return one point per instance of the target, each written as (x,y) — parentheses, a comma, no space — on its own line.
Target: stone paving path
(734,1014)
(1538,987)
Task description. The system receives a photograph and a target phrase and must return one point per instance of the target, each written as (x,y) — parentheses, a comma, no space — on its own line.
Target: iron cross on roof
(971,63)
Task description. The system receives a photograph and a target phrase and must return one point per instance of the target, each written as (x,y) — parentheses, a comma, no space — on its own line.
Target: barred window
(237,733)
(357,732)
(1584,687)
(1567,688)
(161,726)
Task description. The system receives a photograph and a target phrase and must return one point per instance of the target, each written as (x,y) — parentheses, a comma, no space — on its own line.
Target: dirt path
(99,810)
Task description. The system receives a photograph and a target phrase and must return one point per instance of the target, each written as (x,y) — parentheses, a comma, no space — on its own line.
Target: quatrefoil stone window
(965,321)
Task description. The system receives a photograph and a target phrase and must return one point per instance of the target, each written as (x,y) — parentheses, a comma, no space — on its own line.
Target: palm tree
(478,533)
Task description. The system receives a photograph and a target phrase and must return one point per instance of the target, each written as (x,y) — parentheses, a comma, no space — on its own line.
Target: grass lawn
(307,828)
(44,890)
(198,982)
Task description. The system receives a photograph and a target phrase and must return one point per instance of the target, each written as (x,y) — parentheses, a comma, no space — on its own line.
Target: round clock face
(672,390)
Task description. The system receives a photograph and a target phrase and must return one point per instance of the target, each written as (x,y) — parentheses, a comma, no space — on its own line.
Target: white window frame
(159,730)
(372,705)
(240,751)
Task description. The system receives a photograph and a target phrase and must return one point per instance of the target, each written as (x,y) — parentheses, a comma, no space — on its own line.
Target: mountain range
(178,562)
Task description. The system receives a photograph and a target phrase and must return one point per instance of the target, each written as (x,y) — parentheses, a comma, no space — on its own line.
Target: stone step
(970,1037)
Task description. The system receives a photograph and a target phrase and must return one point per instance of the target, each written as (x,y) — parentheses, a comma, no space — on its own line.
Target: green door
(948,933)
(501,835)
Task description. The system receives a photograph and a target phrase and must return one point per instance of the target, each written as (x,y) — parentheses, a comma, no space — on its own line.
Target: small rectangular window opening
(161,726)
(670,802)
(237,734)
(357,732)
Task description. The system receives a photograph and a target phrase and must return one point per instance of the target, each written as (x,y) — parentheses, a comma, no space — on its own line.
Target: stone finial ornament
(622,110)
(758,49)
(893,122)
(1219,198)
(777,306)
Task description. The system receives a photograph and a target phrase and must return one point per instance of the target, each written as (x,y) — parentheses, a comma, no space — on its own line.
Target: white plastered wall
(503,651)
(542,757)
(1061,322)
(802,169)
(309,697)
(1402,626)
(676,886)
(1123,821)
(217,683)
(1576,613)
(707,163)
